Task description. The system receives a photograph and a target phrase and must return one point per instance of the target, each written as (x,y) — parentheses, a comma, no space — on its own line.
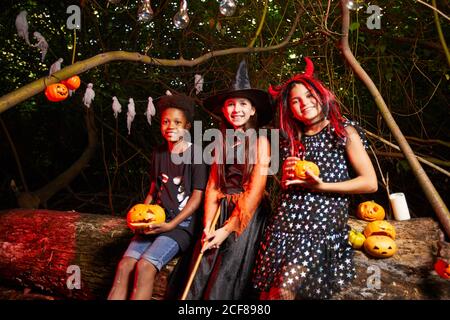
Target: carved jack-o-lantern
(302,165)
(56,92)
(72,83)
(370,211)
(143,215)
(380,246)
(379,228)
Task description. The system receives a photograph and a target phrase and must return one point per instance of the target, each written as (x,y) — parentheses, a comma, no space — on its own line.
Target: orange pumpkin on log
(380,246)
(370,211)
(380,228)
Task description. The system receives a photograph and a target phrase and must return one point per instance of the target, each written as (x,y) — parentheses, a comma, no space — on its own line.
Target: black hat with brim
(241,88)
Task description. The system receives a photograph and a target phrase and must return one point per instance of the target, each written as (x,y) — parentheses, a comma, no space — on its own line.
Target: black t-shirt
(176,176)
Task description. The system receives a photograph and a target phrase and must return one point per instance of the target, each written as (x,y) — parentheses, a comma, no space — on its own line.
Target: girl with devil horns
(304,252)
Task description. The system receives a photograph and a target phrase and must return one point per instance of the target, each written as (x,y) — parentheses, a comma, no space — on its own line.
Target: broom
(199,258)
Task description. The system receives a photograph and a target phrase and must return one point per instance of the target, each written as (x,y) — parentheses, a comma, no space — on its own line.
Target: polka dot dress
(305,246)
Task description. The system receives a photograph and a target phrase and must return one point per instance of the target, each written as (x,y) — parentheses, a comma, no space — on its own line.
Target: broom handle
(199,258)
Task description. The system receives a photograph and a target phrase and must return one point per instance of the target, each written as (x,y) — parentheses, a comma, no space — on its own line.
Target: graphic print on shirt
(182,199)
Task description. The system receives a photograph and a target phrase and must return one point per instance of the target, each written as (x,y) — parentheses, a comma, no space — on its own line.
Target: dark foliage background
(404,58)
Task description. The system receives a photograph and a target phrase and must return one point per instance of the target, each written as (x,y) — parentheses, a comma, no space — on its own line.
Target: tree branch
(440,33)
(261,23)
(13,98)
(427,186)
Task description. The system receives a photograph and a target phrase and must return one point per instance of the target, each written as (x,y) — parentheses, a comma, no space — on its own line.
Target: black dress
(305,246)
(225,273)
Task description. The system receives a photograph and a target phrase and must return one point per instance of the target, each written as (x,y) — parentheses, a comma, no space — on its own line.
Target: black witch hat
(241,88)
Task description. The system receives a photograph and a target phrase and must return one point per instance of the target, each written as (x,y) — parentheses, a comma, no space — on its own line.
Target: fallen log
(409,274)
(47,251)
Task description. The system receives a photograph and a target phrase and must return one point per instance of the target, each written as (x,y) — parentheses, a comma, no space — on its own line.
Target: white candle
(399,206)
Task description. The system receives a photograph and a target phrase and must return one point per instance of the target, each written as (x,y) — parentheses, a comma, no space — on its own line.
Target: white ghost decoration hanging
(116,106)
(41,44)
(198,83)
(56,66)
(89,95)
(151,110)
(130,114)
(168,93)
(22,26)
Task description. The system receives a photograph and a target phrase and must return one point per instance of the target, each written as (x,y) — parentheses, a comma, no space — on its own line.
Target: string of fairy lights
(181,18)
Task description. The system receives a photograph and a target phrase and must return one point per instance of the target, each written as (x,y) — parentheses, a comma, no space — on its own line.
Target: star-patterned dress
(305,246)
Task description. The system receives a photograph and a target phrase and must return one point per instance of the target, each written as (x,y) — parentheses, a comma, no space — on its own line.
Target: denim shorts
(158,251)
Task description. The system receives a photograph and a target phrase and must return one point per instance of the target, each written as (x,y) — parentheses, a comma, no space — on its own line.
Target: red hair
(291,127)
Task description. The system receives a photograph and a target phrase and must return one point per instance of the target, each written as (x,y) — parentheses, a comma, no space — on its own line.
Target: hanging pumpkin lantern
(301,166)
(370,211)
(380,228)
(380,246)
(56,92)
(72,83)
(142,215)
(356,239)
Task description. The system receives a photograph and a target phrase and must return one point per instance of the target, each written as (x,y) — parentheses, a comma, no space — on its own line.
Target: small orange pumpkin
(302,165)
(72,83)
(142,215)
(56,92)
(380,228)
(370,211)
(380,246)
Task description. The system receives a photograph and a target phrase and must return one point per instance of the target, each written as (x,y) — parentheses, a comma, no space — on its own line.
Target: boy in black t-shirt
(178,188)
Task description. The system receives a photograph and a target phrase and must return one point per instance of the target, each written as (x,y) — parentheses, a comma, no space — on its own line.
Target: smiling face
(304,105)
(173,124)
(238,111)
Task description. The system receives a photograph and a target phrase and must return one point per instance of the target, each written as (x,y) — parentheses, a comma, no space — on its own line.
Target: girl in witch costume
(235,187)
(304,252)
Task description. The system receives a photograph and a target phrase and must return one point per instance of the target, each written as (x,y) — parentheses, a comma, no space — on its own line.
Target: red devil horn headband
(274,91)
(309,70)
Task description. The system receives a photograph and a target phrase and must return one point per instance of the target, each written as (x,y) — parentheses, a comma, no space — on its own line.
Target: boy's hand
(157,228)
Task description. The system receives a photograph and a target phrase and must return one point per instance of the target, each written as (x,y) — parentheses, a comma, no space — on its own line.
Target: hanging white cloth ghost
(168,93)
(151,110)
(89,95)
(130,114)
(22,26)
(198,83)
(56,66)
(41,44)
(116,106)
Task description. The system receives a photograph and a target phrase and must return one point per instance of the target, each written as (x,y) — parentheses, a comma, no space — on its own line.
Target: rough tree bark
(38,246)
